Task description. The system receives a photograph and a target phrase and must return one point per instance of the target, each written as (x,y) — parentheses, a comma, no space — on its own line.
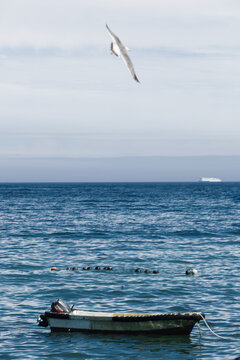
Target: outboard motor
(60,306)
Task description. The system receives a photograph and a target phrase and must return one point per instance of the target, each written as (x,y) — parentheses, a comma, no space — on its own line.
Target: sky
(64,96)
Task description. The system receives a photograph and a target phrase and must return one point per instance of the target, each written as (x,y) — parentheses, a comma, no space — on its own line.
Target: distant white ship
(212,179)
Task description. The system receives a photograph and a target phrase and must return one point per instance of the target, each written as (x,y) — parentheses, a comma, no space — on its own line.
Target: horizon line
(95,157)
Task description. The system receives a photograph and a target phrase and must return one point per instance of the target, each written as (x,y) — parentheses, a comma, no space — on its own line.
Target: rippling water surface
(164,226)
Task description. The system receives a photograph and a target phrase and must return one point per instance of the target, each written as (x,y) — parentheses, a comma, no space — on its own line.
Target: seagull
(118,49)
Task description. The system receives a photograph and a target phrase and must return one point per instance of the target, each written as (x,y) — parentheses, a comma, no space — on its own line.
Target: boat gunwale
(127,317)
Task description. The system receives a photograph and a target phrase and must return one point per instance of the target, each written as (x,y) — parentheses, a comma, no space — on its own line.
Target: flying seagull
(118,49)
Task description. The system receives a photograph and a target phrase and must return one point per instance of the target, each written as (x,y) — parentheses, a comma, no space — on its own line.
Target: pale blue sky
(63,94)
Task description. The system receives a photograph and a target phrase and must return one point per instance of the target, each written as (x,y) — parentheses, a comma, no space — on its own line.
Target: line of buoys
(146,271)
(86,268)
(137,270)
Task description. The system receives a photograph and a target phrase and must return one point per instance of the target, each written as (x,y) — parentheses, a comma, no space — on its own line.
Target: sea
(169,227)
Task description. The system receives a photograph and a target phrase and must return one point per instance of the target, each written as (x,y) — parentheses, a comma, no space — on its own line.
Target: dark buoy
(84,268)
(107,268)
(147,271)
(68,268)
(155,272)
(75,268)
(97,268)
(89,268)
(191,272)
(138,270)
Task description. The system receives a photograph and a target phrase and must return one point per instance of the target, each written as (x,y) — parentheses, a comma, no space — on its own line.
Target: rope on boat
(211,329)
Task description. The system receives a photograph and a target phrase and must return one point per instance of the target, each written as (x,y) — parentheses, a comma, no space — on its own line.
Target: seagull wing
(115,38)
(128,62)
(124,54)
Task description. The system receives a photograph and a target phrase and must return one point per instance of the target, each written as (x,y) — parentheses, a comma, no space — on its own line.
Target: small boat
(63,318)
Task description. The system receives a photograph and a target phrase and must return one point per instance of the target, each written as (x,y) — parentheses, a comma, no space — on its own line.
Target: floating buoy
(107,268)
(97,268)
(75,268)
(147,271)
(68,268)
(84,268)
(138,270)
(155,272)
(89,268)
(54,268)
(191,272)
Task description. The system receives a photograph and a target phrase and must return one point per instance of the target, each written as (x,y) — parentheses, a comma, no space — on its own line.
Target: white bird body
(115,49)
(119,50)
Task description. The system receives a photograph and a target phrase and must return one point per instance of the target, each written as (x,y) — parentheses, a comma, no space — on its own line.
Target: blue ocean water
(164,226)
